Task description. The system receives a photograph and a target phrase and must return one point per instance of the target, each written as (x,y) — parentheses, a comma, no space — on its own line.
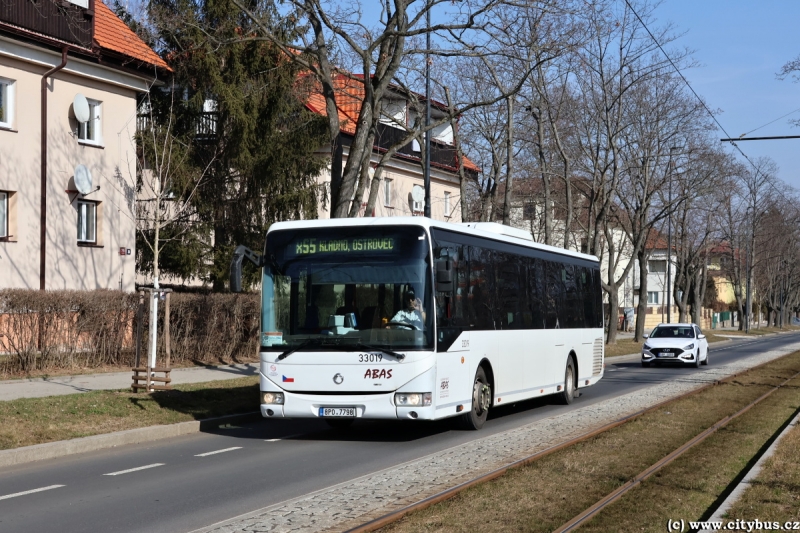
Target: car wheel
(481,401)
(705,361)
(567,394)
(697,360)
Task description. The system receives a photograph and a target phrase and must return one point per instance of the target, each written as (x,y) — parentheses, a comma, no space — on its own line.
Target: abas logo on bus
(374,373)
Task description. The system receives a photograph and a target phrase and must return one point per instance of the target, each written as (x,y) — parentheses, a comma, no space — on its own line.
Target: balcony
(59,20)
(442,154)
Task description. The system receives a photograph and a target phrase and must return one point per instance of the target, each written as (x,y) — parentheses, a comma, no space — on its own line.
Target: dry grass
(546,494)
(30,421)
(767,330)
(775,494)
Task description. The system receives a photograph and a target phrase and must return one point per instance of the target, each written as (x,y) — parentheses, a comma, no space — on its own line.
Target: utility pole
(427,170)
(747,305)
(671,166)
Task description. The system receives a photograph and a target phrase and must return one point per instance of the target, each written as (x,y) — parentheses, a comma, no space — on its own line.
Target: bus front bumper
(371,406)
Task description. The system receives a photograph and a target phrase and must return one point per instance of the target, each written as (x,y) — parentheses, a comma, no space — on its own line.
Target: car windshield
(674,332)
(346,287)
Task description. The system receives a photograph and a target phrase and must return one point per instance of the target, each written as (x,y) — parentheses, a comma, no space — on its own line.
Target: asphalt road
(182,484)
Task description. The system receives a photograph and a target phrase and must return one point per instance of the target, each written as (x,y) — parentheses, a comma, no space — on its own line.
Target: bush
(67,330)
(209,328)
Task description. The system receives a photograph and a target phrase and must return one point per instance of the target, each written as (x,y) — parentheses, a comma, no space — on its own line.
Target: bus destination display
(311,246)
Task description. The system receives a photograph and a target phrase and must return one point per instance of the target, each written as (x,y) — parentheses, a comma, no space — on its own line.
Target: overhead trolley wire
(710,113)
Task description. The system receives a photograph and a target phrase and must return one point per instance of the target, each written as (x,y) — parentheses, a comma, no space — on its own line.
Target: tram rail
(588,513)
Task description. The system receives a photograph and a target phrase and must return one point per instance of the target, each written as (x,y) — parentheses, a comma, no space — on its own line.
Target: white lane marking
(219,451)
(7,496)
(283,438)
(134,469)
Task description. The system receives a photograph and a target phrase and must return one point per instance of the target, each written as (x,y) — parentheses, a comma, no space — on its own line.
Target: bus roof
(489,230)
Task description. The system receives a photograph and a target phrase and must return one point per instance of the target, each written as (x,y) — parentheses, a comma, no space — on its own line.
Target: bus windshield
(347,288)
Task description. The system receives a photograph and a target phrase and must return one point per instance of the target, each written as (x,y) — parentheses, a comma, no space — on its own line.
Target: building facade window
(3,214)
(657,266)
(387,192)
(87,222)
(91,131)
(446,204)
(528,211)
(6,103)
(652,297)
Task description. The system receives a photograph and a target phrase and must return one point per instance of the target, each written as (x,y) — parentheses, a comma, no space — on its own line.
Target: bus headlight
(272,398)
(412,399)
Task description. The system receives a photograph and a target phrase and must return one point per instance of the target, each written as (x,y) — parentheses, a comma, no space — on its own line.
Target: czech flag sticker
(287,380)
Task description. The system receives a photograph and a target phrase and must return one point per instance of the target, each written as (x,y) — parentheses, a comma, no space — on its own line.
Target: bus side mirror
(236,271)
(239,254)
(444,276)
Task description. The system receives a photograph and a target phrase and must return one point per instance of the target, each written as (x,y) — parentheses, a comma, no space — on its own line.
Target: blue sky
(740,46)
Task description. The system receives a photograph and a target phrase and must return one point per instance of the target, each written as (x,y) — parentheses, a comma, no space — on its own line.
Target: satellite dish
(415,146)
(80,107)
(417,193)
(83,179)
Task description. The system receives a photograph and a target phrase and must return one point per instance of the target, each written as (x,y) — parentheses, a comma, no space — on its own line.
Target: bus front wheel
(567,394)
(481,401)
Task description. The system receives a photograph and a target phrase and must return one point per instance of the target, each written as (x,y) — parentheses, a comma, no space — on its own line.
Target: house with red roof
(402,186)
(70,73)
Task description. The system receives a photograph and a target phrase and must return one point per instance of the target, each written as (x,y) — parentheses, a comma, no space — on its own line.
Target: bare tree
(166,181)
(613,73)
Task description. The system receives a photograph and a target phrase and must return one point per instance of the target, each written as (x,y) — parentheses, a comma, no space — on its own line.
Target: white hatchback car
(675,343)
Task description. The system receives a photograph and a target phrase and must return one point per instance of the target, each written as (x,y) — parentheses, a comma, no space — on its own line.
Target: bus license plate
(338,411)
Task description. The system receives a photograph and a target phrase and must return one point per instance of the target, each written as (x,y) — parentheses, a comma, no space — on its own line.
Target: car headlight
(690,347)
(409,399)
(272,398)
(647,347)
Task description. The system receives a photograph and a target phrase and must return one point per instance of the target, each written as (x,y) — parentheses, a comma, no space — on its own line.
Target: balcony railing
(205,126)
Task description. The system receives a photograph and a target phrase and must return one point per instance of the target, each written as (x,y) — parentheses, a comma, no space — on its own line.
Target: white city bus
(410,318)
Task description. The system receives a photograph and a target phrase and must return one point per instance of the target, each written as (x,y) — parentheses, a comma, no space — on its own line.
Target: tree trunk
(641,308)
(509,162)
(613,315)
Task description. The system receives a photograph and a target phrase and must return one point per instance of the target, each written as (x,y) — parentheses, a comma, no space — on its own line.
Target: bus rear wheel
(481,401)
(567,394)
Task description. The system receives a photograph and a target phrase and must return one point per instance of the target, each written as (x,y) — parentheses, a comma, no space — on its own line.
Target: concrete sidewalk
(59,385)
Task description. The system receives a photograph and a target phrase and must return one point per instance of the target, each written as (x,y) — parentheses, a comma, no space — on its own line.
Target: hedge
(43,331)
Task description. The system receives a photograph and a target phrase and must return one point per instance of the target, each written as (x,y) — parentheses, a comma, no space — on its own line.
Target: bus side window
(538,293)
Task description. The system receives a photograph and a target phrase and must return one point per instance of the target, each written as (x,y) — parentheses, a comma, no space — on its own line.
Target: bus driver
(413,313)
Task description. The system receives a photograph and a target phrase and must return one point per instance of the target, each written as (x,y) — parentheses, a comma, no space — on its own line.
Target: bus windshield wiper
(396,355)
(300,346)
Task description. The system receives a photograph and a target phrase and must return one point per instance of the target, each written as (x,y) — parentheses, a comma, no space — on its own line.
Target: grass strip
(775,493)
(28,421)
(545,494)
(691,487)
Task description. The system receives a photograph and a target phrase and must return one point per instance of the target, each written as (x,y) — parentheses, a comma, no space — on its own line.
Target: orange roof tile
(110,33)
(349,95)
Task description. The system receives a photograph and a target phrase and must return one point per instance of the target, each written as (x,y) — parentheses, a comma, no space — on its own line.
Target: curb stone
(52,450)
